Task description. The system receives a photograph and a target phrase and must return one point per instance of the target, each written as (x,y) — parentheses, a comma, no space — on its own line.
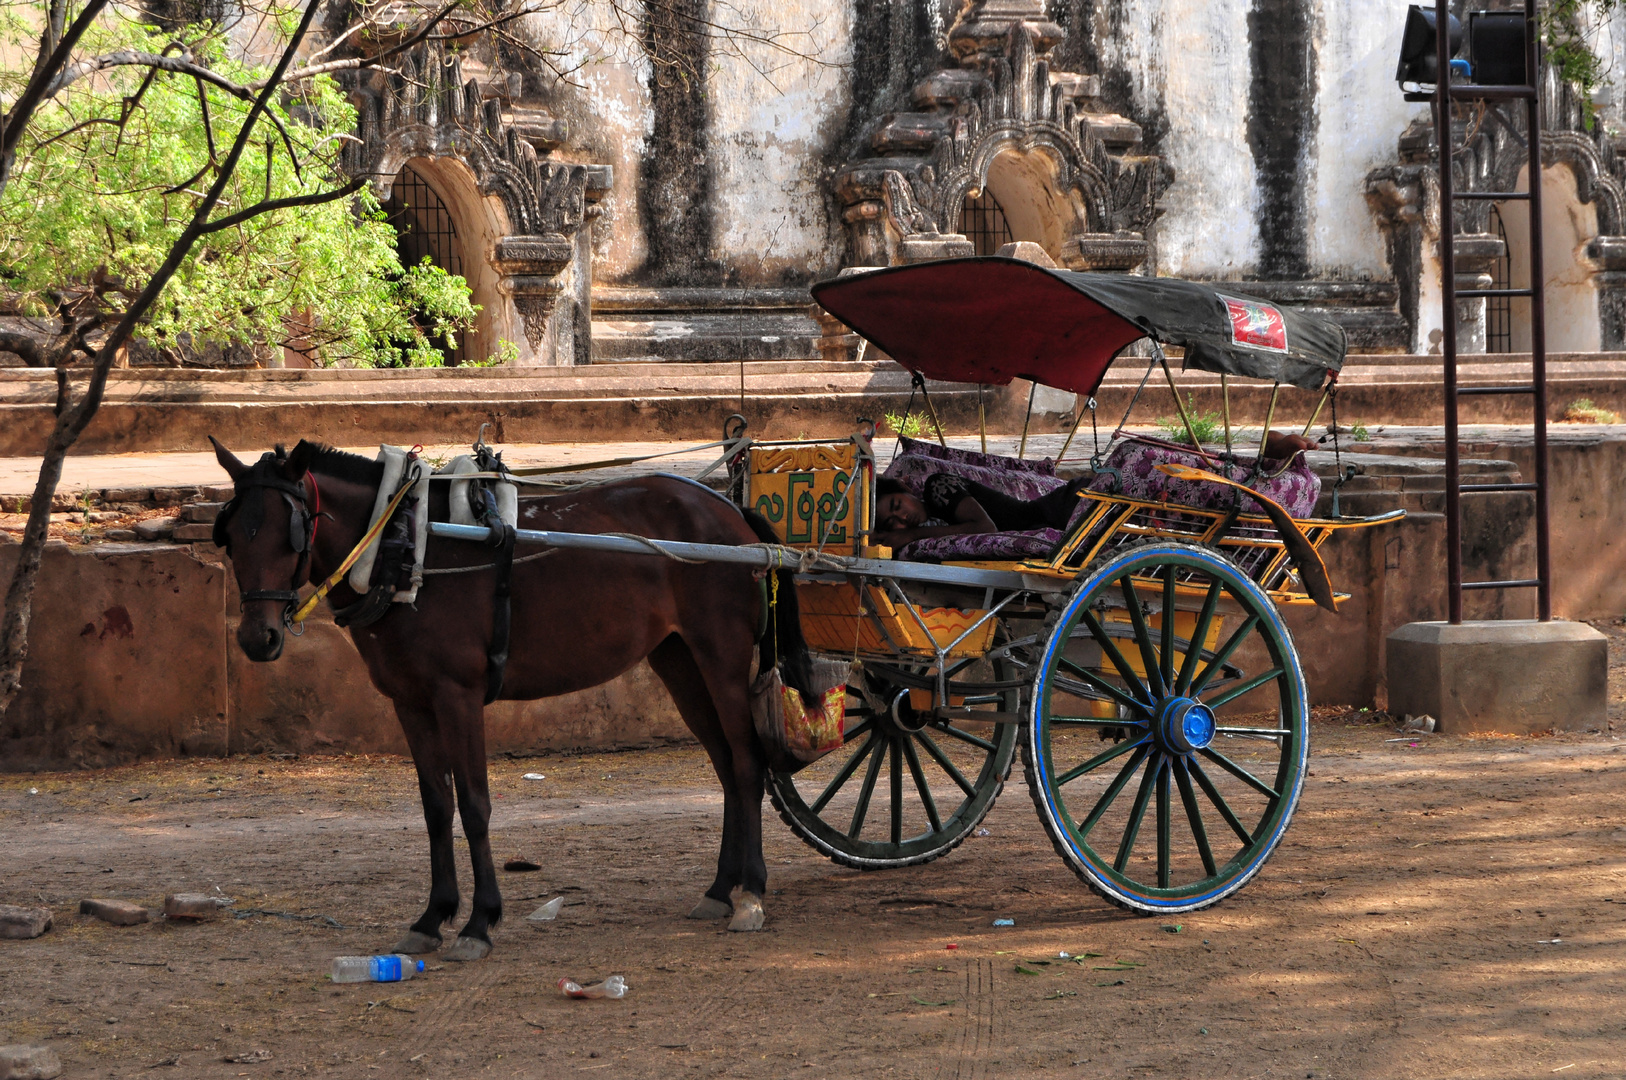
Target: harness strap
(355,553)
(502,614)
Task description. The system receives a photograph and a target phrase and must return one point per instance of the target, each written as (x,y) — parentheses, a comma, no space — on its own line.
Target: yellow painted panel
(833,622)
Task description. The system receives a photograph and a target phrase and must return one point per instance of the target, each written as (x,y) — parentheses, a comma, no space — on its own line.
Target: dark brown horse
(579,618)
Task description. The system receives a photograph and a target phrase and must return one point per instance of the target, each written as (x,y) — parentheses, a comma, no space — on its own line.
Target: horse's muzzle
(260,642)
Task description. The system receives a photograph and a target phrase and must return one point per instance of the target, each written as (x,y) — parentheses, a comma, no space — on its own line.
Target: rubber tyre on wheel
(1166,728)
(829,804)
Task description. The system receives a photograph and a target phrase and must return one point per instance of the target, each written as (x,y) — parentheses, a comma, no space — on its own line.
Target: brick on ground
(21,922)
(117,912)
(19,1062)
(190,533)
(159,528)
(195,906)
(202,513)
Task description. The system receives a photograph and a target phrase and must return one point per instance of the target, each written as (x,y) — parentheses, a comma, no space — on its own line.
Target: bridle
(303,513)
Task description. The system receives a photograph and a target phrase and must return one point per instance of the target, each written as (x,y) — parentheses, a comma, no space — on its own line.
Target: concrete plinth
(1513,677)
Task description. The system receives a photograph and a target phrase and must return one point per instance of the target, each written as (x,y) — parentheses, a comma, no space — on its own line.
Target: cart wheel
(1221,791)
(904,788)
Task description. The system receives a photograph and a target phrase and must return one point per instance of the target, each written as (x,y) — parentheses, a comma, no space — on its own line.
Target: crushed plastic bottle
(391,968)
(547,912)
(613,987)
(1004,922)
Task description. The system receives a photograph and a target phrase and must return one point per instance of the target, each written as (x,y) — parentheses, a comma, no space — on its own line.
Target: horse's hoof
(415,944)
(748,914)
(710,908)
(467,948)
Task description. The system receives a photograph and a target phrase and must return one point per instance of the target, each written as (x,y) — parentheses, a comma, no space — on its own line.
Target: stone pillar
(1474,254)
(1608,255)
(533,281)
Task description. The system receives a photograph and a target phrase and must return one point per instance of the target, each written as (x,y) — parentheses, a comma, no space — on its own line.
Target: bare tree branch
(272,205)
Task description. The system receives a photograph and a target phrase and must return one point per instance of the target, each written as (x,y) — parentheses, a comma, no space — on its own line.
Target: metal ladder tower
(1444,95)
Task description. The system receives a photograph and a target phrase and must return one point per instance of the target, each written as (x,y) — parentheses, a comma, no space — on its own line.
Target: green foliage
(1569,51)
(1583,411)
(1359,433)
(1208,425)
(112,169)
(909,425)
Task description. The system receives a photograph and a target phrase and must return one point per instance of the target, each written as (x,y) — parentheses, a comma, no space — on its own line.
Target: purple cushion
(1036,544)
(1296,489)
(912,470)
(920,448)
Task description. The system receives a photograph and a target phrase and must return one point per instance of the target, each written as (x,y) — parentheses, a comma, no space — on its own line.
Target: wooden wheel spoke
(1094,681)
(945,764)
(1219,801)
(1195,817)
(1137,813)
(1109,649)
(1243,687)
(1143,637)
(1165,827)
(1231,645)
(896,757)
(1194,647)
(858,729)
(1105,801)
(868,790)
(1097,761)
(921,786)
(1166,626)
(1240,773)
(840,779)
(964,736)
(1096,721)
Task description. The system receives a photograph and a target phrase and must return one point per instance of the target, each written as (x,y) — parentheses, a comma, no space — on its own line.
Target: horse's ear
(228,460)
(299,462)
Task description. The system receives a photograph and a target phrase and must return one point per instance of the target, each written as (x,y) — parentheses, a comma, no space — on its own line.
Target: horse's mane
(342,465)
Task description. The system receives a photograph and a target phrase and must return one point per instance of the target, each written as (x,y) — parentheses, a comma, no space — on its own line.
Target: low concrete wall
(133,653)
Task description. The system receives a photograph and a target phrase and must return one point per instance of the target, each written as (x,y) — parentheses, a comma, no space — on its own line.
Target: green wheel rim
(900,794)
(1187,806)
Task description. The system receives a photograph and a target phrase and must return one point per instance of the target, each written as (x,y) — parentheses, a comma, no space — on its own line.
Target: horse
(578,619)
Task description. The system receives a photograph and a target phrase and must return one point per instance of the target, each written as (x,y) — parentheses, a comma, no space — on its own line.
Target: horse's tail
(783,642)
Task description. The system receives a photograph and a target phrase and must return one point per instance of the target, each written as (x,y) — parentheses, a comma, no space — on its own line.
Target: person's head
(896,507)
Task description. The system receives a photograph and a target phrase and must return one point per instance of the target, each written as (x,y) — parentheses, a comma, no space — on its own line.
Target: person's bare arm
(969,516)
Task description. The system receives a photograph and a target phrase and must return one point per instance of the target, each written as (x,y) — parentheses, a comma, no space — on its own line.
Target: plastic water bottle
(391,968)
(613,987)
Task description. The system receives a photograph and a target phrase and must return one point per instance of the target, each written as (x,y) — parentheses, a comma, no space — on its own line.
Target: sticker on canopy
(1256,325)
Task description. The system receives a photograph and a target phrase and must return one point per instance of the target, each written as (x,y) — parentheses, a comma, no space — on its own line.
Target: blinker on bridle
(303,512)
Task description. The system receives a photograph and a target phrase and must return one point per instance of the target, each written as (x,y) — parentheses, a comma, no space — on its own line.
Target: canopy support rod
(1078,409)
(1225,408)
(926,396)
(982,420)
(1322,404)
(1180,406)
(1021,449)
(1270,414)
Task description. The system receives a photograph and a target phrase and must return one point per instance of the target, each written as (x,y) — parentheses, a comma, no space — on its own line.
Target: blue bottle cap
(420,965)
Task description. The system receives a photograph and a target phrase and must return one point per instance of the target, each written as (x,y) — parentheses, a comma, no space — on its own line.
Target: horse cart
(1139,657)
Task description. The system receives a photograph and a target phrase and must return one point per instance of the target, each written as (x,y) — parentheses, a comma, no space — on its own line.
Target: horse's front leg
(464,720)
(435,790)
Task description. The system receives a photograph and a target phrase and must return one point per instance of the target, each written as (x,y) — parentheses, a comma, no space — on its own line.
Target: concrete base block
(1513,677)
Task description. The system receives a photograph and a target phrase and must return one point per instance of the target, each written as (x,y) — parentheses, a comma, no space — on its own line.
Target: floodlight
(1496,41)
(1419,58)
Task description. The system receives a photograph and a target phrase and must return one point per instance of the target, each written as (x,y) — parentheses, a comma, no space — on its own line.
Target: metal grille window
(983,223)
(424,228)
(1499,309)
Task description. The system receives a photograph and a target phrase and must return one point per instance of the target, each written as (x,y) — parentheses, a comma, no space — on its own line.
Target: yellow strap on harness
(350,560)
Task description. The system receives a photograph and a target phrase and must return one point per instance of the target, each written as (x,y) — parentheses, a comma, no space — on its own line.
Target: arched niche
(1568,226)
(1036,208)
(478,221)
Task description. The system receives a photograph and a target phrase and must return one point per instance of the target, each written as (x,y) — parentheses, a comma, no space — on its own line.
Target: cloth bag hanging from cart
(798,732)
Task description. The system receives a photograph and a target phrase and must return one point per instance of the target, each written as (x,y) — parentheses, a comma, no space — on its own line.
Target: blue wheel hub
(1184,725)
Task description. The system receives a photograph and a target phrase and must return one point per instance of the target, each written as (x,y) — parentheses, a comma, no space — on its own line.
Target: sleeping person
(952,506)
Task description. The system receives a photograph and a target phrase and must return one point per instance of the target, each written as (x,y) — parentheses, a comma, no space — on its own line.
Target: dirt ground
(1442,907)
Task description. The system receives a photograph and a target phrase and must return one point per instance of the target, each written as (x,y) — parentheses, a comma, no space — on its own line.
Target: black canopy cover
(989,320)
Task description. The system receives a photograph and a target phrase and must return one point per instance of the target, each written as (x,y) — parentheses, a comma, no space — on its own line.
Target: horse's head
(267,529)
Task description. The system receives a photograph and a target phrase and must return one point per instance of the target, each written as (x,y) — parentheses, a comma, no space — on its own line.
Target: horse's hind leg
(675,666)
(435,790)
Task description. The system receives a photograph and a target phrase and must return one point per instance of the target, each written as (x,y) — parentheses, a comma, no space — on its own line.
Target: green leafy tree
(105,180)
